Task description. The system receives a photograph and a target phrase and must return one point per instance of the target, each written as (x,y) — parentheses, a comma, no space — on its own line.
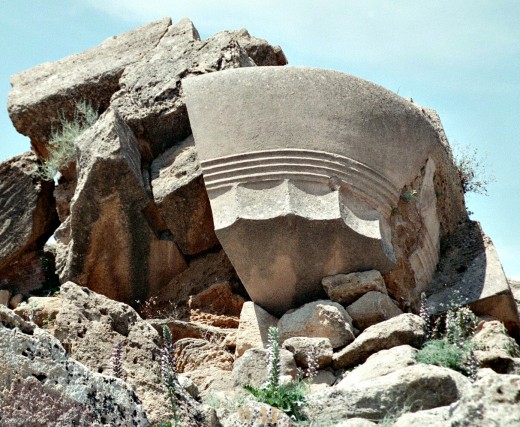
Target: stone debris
(253,326)
(406,329)
(373,307)
(347,288)
(318,319)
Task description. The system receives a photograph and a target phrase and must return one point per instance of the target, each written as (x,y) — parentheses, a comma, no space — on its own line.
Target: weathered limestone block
(27,219)
(494,348)
(39,381)
(151,99)
(218,299)
(117,243)
(471,267)
(40,310)
(203,271)
(382,363)
(252,367)
(252,328)
(300,213)
(306,350)
(90,325)
(436,417)
(346,288)
(211,380)
(492,400)
(406,329)
(372,308)
(15,301)
(179,192)
(5,296)
(193,354)
(41,96)
(318,319)
(415,387)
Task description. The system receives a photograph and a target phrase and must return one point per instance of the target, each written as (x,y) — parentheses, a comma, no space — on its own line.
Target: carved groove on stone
(300,165)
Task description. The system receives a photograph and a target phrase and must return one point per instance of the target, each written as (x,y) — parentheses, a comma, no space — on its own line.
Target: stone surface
(494,348)
(27,219)
(151,99)
(323,380)
(180,195)
(491,401)
(406,329)
(41,96)
(379,364)
(252,367)
(515,289)
(470,263)
(336,202)
(372,308)
(320,319)
(193,354)
(253,326)
(202,272)
(181,329)
(40,310)
(15,301)
(90,325)
(436,417)
(140,257)
(212,380)
(5,296)
(218,299)
(356,422)
(253,413)
(40,381)
(305,349)
(346,288)
(414,387)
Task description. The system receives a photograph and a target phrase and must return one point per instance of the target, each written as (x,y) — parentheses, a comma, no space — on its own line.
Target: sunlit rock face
(305,169)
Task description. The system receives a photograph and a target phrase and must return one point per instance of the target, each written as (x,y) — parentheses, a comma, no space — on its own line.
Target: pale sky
(459,57)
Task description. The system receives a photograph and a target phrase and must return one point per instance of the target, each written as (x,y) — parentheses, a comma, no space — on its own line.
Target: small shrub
(442,353)
(451,345)
(289,398)
(472,170)
(169,373)
(409,196)
(61,143)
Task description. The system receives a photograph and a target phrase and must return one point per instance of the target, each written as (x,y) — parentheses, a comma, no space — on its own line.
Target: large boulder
(406,329)
(193,354)
(90,326)
(179,192)
(42,96)
(116,244)
(320,319)
(493,400)
(366,200)
(253,327)
(41,385)
(135,80)
(27,219)
(379,364)
(151,98)
(373,307)
(346,288)
(471,267)
(310,351)
(414,388)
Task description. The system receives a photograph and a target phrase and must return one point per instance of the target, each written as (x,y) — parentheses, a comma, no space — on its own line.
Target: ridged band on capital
(299,165)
